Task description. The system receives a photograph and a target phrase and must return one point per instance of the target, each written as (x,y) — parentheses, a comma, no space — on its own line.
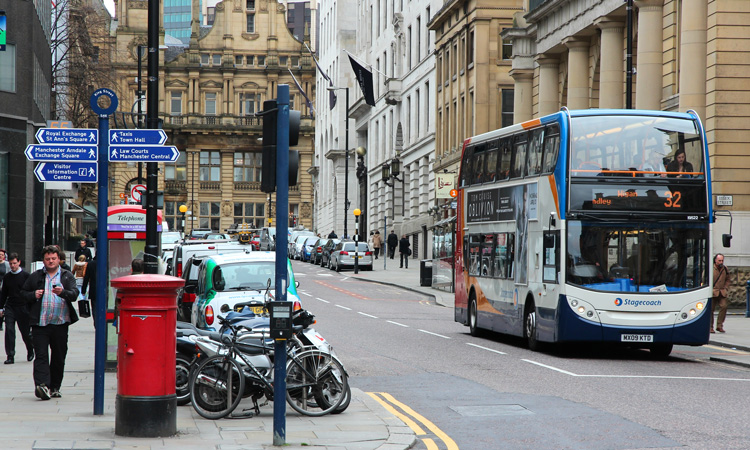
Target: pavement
(69,423)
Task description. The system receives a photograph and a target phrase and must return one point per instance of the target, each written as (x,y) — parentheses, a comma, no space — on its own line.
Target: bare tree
(81,43)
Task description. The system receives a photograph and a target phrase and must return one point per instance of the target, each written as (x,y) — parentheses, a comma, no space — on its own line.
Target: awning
(73,209)
(445,222)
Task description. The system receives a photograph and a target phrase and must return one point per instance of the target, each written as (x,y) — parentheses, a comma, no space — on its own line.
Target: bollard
(146,403)
(747,299)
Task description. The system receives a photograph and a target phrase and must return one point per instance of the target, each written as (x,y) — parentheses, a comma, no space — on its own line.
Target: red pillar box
(146,404)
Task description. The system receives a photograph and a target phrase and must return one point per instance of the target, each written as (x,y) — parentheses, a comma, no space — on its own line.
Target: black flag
(364,78)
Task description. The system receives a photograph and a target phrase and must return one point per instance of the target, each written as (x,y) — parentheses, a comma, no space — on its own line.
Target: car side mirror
(296,283)
(726,240)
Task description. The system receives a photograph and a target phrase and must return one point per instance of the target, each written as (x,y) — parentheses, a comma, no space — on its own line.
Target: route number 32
(673,199)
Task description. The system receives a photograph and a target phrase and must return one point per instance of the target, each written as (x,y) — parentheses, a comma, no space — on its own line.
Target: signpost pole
(282,228)
(152,122)
(102,257)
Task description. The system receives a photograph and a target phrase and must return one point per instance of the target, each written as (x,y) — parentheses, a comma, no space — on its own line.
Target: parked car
(255,242)
(267,238)
(325,253)
(187,257)
(316,255)
(294,234)
(219,236)
(296,249)
(225,280)
(199,233)
(342,256)
(308,248)
(169,239)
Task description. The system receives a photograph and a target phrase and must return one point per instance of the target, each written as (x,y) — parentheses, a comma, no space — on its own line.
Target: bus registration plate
(637,338)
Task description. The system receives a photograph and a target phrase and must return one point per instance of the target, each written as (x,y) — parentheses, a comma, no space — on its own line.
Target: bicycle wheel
(213,391)
(316,383)
(182,377)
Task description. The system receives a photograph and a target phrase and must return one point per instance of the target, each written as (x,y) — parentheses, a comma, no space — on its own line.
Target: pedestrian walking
(369,240)
(83,250)
(377,243)
(405,251)
(79,270)
(4,268)
(332,235)
(51,293)
(722,282)
(63,264)
(14,310)
(89,285)
(392,244)
(136,266)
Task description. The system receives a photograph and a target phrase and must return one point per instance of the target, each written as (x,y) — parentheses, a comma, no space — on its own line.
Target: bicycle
(316,383)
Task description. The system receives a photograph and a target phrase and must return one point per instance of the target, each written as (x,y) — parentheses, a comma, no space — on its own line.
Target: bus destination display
(630,198)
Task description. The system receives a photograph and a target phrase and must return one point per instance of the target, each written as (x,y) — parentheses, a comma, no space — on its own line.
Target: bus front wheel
(473,317)
(661,351)
(530,328)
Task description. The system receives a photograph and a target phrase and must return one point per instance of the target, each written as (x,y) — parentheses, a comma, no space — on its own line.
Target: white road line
(550,367)
(396,323)
(343,307)
(434,334)
(657,377)
(305,293)
(345,278)
(485,348)
(324,301)
(366,315)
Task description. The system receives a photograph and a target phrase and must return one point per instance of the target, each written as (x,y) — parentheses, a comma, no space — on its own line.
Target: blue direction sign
(81,172)
(143,153)
(52,152)
(137,137)
(82,136)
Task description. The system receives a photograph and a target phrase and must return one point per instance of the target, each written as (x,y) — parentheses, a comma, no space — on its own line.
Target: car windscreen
(244,276)
(311,240)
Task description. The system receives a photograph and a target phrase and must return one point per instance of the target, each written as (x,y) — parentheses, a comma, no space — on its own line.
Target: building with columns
(687,55)
(209,94)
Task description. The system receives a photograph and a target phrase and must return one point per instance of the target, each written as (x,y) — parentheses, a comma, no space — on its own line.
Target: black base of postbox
(146,416)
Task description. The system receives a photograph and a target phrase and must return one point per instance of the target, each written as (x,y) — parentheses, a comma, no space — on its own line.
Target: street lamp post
(357,212)
(139,102)
(346,157)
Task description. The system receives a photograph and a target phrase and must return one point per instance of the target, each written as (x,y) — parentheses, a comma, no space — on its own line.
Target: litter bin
(146,403)
(425,272)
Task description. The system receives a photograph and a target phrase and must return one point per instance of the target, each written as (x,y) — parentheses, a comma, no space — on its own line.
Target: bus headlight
(583,309)
(691,311)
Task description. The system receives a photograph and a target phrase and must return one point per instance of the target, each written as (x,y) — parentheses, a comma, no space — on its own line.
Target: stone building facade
(209,94)
(687,54)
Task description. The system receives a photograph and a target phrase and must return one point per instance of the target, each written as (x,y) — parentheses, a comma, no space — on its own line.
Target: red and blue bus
(587,226)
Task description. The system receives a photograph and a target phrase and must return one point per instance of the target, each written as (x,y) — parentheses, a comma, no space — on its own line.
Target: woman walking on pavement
(403,248)
(377,243)
(721,286)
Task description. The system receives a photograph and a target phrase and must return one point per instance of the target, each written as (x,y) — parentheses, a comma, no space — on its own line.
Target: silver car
(342,256)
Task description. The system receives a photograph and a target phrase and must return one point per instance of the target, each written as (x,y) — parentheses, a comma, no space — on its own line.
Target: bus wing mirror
(726,240)
(549,241)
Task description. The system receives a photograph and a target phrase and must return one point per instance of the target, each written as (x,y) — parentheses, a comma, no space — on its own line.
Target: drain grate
(491,410)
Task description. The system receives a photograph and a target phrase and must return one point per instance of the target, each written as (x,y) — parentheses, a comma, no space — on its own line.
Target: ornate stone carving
(227,208)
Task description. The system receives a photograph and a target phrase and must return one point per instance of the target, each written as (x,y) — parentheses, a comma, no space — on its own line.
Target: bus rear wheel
(529,329)
(473,317)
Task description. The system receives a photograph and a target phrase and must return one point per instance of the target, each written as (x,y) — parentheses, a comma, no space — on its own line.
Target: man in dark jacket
(404,250)
(14,310)
(83,250)
(89,285)
(51,293)
(392,243)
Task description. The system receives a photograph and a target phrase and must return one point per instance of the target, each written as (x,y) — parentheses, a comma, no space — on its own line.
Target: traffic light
(268,168)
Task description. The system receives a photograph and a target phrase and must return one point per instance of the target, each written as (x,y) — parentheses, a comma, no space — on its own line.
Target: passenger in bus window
(679,164)
(654,163)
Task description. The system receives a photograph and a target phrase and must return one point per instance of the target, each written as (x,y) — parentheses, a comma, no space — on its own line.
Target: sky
(110,4)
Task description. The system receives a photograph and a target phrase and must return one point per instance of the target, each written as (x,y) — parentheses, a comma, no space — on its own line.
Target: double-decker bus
(589,225)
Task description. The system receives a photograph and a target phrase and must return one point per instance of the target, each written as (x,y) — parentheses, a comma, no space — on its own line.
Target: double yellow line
(408,416)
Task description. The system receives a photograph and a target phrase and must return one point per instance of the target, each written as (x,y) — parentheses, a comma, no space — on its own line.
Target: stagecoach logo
(515,299)
(636,303)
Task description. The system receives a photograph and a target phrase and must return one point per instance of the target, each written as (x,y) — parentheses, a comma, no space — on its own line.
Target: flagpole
(365,64)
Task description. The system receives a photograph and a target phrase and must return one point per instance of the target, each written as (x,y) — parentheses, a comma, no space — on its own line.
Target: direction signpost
(140,145)
(81,172)
(68,154)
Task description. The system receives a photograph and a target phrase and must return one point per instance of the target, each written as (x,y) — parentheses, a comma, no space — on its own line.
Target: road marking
(434,334)
(324,301)
(657,377)
(343,307)
(396,323)
(366,315)
(343,291)
(726,349)
(305,293)
(390,403)
(485,348)
(550,367)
